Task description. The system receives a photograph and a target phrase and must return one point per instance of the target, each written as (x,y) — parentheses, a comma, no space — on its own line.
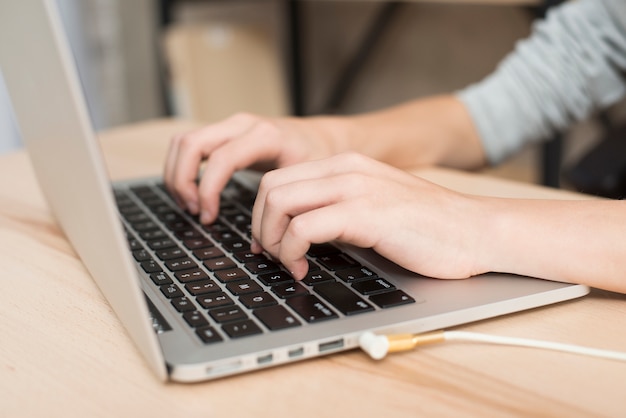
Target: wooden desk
(64,353)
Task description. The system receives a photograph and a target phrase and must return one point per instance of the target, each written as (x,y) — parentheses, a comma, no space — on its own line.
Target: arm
(573,64)
(435,130)
(570,241)
(434,231)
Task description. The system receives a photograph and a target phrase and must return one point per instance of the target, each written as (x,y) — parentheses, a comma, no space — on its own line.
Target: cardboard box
(217,68)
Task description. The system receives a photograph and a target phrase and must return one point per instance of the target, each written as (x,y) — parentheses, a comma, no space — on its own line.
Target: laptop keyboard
(221,289)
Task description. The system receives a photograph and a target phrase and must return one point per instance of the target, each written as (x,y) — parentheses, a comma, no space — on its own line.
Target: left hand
(357,200)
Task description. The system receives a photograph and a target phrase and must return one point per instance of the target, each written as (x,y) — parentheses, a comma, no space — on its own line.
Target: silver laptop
(196,302)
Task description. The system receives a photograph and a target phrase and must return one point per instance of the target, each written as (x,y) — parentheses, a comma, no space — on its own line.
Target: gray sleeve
(573,63)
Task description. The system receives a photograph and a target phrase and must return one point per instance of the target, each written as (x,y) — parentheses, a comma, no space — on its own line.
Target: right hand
(238,142)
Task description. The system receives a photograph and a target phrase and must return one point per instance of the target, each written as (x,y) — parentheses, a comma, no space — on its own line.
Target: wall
(114,43)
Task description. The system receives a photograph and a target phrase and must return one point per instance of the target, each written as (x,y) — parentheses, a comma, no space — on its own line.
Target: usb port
(331,345)
(266,359)
(296,352)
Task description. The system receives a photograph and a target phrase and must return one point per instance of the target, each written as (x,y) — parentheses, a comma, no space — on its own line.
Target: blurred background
(204,60)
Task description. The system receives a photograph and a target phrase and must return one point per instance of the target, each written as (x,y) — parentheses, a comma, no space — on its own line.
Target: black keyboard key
(141,255)
(242,287)
(143,191)
(225,236)
(313,266)
(337,261)
(183,304)
(188,233)
(373,286)
(228,209)
(316,277)
(195,319)
(289,290)
(192,275)
(391,299)
(244,228)
(155,234)
(317,250)
(136,216)
(174,222)
(272,279)
(356,273)
(241,328)
(342,298)
(202,287)
(235,245)
(276,317)
(214,300)
(160,208)
(161,243)
(171,291)
(170,253)
(257,300)
(185,263)
(228,314)
(195,243)
(230,275)
(208,335)
(134,244)
(247,256)
(161,278)
(215,228)
(222,263)
(238,218)
(145,226)
(150,266)
(261,267)
(208,253)
(310,308)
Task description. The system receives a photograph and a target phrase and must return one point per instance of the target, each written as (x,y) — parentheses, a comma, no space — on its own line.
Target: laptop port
(331,345)
(296,352)
(266,359)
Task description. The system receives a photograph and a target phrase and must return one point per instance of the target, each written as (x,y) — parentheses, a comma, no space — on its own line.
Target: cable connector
(378,346)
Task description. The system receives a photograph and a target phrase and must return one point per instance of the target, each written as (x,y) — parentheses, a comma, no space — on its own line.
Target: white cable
(377,346)
(525,342)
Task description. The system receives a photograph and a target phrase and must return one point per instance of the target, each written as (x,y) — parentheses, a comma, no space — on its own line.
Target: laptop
(195,301)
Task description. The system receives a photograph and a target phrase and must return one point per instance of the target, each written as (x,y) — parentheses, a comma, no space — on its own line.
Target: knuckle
(274,199)
(187,140)
(352,159)
(267,128)
(355,181)
(267,180)
(242,118)
(298,227)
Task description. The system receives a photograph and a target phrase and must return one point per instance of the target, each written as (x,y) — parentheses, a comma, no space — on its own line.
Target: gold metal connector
(404,342)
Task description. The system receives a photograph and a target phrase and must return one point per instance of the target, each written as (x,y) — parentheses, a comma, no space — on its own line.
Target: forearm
(430,131)
(571,241)
(571,65)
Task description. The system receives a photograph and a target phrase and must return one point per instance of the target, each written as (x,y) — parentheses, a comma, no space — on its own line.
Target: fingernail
(192,207)
(205,217)
(255,247)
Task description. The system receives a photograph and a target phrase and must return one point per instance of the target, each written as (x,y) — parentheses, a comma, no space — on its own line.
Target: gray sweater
(573,63)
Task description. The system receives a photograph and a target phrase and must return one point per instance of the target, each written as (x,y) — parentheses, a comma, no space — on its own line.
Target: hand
(238,142)
(351,198)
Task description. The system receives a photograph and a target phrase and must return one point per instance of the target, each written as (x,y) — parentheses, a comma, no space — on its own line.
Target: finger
(253,146)
(336,165)
(325,224)
(193,149)
(187,152)
(284,202)
(291,200)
